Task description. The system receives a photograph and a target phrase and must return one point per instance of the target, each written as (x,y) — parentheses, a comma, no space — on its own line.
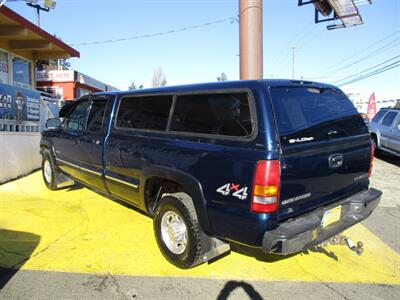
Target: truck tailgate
(325,148)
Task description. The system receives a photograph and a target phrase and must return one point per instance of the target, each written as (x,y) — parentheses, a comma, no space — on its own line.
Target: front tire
(48,172)
(177,230)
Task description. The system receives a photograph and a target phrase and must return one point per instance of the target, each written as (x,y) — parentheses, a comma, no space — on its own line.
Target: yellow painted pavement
(80,231)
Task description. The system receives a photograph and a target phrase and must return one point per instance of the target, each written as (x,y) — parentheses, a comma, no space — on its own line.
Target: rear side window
(314,114)
(149,112)
(389,118)
(226,114)
(96,114)
(378,116)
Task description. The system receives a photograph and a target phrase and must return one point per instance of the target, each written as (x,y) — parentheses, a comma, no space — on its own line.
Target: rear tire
(48,171)
(375,145)
(177,230)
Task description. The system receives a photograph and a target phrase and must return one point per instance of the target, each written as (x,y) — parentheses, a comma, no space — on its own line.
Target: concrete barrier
(19,154)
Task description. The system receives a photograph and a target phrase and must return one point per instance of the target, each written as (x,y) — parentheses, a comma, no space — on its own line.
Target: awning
(22,37)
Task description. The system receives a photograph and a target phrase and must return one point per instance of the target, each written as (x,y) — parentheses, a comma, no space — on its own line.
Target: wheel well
(155,187)
(44,147)
(374,137)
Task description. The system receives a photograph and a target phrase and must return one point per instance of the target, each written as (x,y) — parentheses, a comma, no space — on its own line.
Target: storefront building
(68,85)
(23,111)
(22,44)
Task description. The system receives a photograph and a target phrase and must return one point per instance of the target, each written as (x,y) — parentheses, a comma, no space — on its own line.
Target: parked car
(385,131)
(276,164)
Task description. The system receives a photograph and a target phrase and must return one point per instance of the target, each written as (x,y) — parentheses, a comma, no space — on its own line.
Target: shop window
(21,72)
(83,92)
(4,67)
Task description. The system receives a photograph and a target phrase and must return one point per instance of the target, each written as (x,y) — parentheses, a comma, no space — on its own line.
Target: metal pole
(293,56)
(293,62)
(38,9)
(38,16)
(251,41)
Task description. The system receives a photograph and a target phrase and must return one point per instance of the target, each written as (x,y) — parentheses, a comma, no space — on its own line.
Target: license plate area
(331,216)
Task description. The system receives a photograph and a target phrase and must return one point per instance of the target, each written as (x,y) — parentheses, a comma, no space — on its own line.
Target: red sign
(371,107)
(55,76)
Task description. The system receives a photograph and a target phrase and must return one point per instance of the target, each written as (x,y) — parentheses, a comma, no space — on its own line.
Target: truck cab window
(96,114)
(76,119)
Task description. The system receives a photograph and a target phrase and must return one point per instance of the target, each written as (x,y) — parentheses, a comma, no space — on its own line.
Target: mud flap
(212,248)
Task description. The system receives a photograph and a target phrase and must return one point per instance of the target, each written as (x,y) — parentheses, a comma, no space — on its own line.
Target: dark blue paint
(203,164)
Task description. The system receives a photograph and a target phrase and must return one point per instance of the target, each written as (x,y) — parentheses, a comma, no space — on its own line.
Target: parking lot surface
(76,244)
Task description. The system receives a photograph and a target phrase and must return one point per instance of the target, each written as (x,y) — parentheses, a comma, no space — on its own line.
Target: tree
(222,77)
(132,86)
(158,78)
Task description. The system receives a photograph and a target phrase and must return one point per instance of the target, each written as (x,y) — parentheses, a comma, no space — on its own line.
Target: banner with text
(19,104)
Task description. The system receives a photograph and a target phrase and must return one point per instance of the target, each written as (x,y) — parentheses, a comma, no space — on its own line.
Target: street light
(47,5)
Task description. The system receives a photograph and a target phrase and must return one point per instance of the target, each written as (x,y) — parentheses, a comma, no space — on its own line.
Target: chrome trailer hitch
(340,239)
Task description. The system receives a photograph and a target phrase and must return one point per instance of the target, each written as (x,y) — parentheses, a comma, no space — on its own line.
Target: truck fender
(192,187)
(46,145)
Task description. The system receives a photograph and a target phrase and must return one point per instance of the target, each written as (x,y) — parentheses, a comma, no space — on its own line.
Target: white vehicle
(385,130)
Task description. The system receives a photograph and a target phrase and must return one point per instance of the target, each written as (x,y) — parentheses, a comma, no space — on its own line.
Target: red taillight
(266,186)
(372,160)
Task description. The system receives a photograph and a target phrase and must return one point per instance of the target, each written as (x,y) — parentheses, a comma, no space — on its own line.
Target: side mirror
(53,123)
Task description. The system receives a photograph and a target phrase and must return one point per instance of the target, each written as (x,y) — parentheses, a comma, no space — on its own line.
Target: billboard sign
(19,104)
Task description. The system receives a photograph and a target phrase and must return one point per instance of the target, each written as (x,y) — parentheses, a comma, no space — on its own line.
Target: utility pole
(47,5)
(251,39)
(293,55)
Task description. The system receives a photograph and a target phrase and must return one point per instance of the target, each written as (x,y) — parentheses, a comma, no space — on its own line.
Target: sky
(203,53)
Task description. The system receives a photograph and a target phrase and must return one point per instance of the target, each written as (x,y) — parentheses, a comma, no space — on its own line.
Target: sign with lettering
(19,104)
(55,76)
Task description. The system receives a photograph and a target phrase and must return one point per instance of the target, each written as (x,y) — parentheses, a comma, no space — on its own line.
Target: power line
(363,71)
(380,50)
(304,44)
(376,72)
(230,19)
(359,52)
(292,41)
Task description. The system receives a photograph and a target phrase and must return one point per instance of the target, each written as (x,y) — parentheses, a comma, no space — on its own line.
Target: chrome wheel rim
(174,232)
(47,171)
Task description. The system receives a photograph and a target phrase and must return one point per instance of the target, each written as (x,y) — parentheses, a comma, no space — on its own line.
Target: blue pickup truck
(274,164)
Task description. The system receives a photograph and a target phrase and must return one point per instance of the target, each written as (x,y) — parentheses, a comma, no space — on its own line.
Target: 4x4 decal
(226,190)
